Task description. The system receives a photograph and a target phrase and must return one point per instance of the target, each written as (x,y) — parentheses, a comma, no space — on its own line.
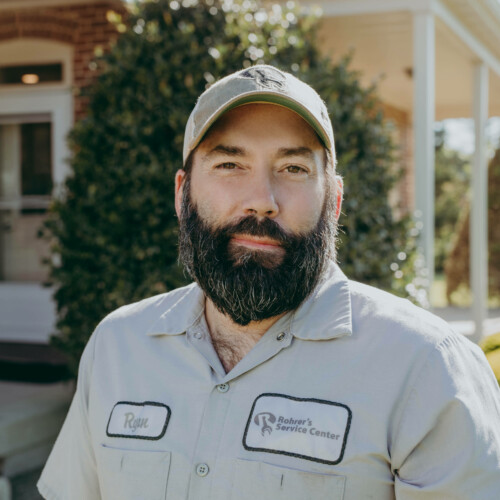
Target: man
(273,376)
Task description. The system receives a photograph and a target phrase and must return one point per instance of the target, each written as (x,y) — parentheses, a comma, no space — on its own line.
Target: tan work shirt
(355,395)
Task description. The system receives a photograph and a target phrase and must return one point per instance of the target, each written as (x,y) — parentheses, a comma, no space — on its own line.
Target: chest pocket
(269,482)
(132,474)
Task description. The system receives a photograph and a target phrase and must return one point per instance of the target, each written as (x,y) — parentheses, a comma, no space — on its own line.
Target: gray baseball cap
(259,83)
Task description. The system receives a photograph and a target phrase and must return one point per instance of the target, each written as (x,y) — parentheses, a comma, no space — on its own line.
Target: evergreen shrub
(113,227)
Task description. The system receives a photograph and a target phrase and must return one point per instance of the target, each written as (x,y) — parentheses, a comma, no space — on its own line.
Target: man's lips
(256,242)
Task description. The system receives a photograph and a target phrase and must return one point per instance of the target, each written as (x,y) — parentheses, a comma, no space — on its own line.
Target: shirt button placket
(206,477)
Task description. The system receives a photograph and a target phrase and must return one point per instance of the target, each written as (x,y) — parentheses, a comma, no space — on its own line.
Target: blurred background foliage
(457,262)
(112,227)
(452,182)
(491,347)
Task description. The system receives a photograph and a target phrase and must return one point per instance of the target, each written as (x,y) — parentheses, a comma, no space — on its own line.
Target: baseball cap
(260,83)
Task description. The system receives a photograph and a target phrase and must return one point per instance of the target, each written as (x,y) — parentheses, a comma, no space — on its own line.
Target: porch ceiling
(382,45)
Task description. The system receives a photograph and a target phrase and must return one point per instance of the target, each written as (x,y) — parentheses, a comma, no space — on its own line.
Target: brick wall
(84,26)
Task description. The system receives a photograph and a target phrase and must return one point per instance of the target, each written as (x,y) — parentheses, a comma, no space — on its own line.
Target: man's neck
(230,340)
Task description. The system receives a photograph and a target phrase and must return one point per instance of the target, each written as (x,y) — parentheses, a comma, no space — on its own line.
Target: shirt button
(281,336)
(202,470)
(198,335)
(223,387)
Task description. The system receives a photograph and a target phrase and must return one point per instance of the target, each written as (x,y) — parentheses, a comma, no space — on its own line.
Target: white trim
(59,105)
(56,100)
(464,34)
(362,7)
(424,76)
(20,51)
(494,6)
(479,203)
(357,7)
(487,19)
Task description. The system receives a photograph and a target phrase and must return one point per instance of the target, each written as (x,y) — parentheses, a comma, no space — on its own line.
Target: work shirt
(357,394)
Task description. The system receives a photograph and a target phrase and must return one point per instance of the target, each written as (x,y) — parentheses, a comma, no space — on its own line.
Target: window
(36,176)
(25,186)
(31,74)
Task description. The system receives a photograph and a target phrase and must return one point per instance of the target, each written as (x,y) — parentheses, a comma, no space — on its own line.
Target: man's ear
(180,178)
(339,191)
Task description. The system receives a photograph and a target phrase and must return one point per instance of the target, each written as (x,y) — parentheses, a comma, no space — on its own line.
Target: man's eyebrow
(298,151)
(227,150)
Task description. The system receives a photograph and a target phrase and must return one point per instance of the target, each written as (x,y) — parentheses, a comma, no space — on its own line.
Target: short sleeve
(447,445)
(70,471)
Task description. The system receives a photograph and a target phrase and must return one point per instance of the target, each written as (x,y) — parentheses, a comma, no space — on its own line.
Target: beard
(252,285)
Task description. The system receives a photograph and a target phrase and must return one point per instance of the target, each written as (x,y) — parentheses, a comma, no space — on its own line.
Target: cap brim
(271,98)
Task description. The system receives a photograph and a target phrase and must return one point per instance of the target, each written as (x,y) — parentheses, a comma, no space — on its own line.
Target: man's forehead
(240,151)
(237,121)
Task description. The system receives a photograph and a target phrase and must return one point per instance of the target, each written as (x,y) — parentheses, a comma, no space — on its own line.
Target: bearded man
(272,375)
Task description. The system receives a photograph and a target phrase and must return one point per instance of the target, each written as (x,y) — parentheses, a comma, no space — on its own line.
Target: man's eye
(295,169)
(226,166)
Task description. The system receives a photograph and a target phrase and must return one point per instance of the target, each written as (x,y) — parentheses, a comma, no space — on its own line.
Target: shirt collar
(325,314)
(183,310)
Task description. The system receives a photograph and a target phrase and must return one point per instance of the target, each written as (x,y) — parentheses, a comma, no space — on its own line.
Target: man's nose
(260,197)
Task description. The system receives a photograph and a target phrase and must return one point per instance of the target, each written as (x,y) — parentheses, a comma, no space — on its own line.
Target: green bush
(451,185)
(457,265)
(113,227)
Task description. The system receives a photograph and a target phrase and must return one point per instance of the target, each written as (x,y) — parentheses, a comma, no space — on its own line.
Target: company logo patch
(312,429)
(146,420)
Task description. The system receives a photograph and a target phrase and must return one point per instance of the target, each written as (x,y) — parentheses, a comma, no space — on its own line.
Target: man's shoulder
(148,309)
(378,312)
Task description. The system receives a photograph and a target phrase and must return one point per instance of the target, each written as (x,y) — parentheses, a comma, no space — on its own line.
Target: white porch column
(423,130)
(479,204)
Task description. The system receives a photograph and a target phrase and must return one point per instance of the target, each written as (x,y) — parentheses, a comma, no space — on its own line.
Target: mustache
(265,227)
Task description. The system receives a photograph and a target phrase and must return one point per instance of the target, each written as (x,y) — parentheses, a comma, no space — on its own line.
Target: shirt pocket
(269,482)
(133,474)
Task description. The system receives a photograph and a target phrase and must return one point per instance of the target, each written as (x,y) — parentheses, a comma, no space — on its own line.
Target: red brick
(84,26)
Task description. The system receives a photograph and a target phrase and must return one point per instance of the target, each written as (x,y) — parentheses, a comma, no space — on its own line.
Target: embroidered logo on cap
(266,77)
(146,420)
(312,429)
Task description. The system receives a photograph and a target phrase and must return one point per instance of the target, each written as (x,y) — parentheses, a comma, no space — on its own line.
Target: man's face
(257,213)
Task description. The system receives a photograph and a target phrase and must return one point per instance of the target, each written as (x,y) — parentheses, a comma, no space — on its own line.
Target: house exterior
(46,53)
(440,59)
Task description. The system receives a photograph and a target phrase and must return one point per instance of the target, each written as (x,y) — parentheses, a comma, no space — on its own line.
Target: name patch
(146,420)
(312,429)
